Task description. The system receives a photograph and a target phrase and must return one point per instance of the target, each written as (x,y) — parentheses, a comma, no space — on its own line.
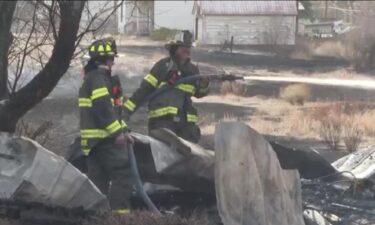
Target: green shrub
(163,34)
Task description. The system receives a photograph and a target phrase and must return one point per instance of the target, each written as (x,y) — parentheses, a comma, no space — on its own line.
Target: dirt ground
(259,104)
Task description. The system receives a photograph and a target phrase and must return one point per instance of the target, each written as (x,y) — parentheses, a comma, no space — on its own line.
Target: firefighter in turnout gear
(104,135)
(172,109)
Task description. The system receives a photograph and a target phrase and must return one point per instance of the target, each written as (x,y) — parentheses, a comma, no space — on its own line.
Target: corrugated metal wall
(248,30)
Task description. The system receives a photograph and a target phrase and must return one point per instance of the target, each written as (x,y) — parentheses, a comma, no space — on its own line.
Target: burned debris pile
(253,180)
(354,205)
(347,197)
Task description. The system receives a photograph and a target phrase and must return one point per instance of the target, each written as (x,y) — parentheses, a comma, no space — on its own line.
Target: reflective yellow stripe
(99,92)
(123,124)
(130,105)
(151,79)
(162,84)
(92,49)
(186,88)
(94,133)
(100,48)
(84,102)
(86,151)
(108,48)
(192,118)
(183,87)
(113,127)
(84,142)
(122,211)
(170,110)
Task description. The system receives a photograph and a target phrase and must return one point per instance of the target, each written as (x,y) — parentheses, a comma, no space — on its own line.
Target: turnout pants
(185,130)
(109,169)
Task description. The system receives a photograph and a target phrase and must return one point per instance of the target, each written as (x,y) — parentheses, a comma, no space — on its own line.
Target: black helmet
(104,48)
(185,39)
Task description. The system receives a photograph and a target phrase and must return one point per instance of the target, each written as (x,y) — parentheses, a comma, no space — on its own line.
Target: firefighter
(173,109)
(104,135)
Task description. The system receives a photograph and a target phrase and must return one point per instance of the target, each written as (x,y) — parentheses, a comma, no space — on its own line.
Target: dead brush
(148,218)
(341,121)
(352,135)
(233,87)
(330,123)
(38,133)
(330,131)
(295,94)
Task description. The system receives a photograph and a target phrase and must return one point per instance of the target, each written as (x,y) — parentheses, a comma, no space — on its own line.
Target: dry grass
(326,121)
(147,218)
(295,94)
(335,123)
(367,122)
(293,123)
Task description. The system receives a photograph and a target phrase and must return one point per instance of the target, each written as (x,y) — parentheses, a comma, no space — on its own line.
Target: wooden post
(231,44)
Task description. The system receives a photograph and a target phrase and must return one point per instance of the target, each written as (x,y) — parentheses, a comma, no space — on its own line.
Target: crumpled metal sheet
(360,163)
(31,173)
(251,186)
(170,161)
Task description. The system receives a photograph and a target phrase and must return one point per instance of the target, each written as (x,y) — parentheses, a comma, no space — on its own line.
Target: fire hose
(133,162)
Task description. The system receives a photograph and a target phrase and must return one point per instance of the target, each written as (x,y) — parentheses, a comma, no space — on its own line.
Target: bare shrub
(239,88)
(330,131)
(230,117)
(302,49)
(233,87)
(360,41)
(226,88)
(295,94)
(368,123)
(38,133)
(330,123)
(341,121)
(352,135)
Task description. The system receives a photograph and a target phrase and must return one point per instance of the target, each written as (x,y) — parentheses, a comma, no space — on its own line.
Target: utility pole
(326,9)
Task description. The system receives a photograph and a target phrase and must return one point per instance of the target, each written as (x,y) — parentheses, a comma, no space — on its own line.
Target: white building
(174,15)
(142,17)
(248,22)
